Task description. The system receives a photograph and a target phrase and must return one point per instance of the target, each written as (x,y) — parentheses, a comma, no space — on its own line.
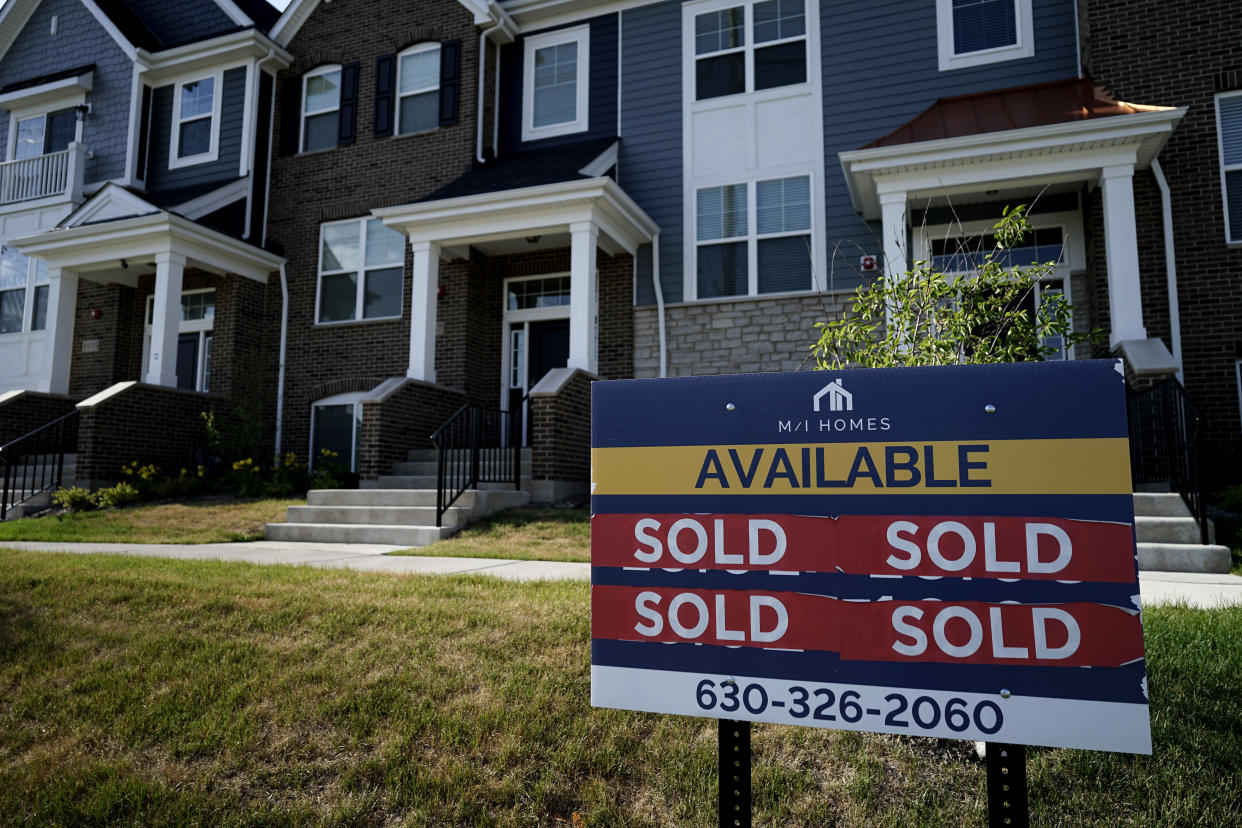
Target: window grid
(1229,138)
(195,127)
(418,89)
(321,104)
(361,271)
(23,292)
(556,78)
(749,48)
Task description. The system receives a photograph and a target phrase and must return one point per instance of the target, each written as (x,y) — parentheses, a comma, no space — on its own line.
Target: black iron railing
(1164,444)
(476,445)
(35,463)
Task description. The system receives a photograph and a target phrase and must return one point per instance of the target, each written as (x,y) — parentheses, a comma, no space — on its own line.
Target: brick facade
(1185,66)
(25,411)
(400,421)
(561,431)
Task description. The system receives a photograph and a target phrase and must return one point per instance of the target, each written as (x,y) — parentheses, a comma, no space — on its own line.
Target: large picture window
(754,238)
(747,48)
(975,32)
(1229,134)
(321,104)
(361,263)
(556,72)
(196,119)
(23,292)
(418,88)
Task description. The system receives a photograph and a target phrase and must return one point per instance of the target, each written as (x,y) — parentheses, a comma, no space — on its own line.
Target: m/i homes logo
(839,401)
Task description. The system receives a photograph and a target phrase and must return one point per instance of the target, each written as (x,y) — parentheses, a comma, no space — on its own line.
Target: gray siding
(225,167)
(182,21)
(879,69)
(602,96)
(79,41)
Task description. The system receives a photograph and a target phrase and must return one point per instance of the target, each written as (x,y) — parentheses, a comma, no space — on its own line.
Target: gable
(110,203)
(28,22)
(299,11)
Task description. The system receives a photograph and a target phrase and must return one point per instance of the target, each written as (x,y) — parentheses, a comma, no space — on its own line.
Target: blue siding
(222,170)
(180,22)
(79,41)
(602,116)
(880,68)
(650,166)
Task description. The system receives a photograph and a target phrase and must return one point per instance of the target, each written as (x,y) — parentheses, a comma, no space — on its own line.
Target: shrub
(74,499)
(144,479)
(122,494)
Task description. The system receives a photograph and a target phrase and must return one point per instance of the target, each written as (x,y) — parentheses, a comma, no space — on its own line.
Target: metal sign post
(734,753)
(1007,801)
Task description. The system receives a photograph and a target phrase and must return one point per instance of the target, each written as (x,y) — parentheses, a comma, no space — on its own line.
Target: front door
(536,338)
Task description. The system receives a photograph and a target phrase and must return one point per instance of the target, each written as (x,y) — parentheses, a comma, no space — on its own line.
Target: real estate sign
(925,551)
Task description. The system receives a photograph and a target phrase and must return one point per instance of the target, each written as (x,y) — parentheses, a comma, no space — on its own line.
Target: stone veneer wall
(735,336)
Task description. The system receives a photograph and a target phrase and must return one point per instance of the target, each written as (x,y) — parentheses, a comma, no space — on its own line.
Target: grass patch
(525,533)
(153,692)
(195,521)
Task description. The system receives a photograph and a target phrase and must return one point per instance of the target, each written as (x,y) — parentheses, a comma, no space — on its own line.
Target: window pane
(1230,129)
(29,137)
(721,75)
(420,71)
(196,98)
(195,138)
(338,296)
(198,306)
(419,112)
(12,304)
(983,24)
(783,205)
(722,212)
(556,85)
(785,264)
(62,128)
(552,291)
(778,19)
(382,293)
(722,270)
(340,246)
(321,132)
(385,246)
(782,65)
(39,322)
(334,431)
(714,31)
(323,91)
(1233,192)
(206,364)
(14,268)
(40,272)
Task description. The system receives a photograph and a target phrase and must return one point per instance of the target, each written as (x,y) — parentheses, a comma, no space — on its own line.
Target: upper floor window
(321,105)
(361,262)
(196,118)
(746,48)
(975,32)
(1229,135)
(418,88)
(23,292)
(557,79)
(754,237)
(45,133)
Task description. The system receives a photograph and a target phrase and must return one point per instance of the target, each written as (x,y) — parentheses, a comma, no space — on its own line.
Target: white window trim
(1023,47)
(30,293)
(401,96)
(184,326)
(692,10)
(303,114)
(361,272)
(580,35)
(523,317)
(175,122)
(44,109)
(352,398)
(1070,222)
(1220,155)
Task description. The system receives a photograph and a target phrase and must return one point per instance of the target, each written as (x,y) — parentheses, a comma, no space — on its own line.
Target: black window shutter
(385,94)
(349,105)
(450,80)
(290,114)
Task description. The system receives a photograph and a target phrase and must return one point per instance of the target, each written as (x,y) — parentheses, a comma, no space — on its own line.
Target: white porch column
(165,320)
(1125,301)
(583,296)
(62,301)
(894,230)
(423,311)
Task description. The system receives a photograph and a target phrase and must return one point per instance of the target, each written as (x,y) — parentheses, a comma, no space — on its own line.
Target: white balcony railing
(55,174)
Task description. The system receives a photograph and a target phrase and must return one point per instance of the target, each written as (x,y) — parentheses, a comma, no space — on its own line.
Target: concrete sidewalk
(1194,589)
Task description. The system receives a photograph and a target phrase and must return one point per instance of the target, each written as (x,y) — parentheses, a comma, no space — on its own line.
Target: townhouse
(420,207)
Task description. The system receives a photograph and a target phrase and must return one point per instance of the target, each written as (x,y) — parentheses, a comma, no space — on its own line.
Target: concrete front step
(375,515)
(483,499)
(356,533)
(1160,505)
(1183,557)
(1166,530)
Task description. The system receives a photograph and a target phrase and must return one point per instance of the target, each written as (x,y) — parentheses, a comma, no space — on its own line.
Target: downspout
(1170,265)
(478,145)
(496,106)
(284,340)
(659,292)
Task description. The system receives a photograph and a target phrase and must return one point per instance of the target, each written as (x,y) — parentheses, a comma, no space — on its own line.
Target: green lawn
(155,692)
(193,521)
(527,533)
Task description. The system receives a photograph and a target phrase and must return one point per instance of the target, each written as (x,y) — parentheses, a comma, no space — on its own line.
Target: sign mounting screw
(1005,694)
(989,408)
(730,407)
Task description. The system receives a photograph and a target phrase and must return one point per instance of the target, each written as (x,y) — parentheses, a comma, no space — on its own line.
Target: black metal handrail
(35,463)
(1164,444)
(476,445)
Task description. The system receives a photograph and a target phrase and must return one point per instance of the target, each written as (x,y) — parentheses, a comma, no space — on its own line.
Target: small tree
(929,318)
